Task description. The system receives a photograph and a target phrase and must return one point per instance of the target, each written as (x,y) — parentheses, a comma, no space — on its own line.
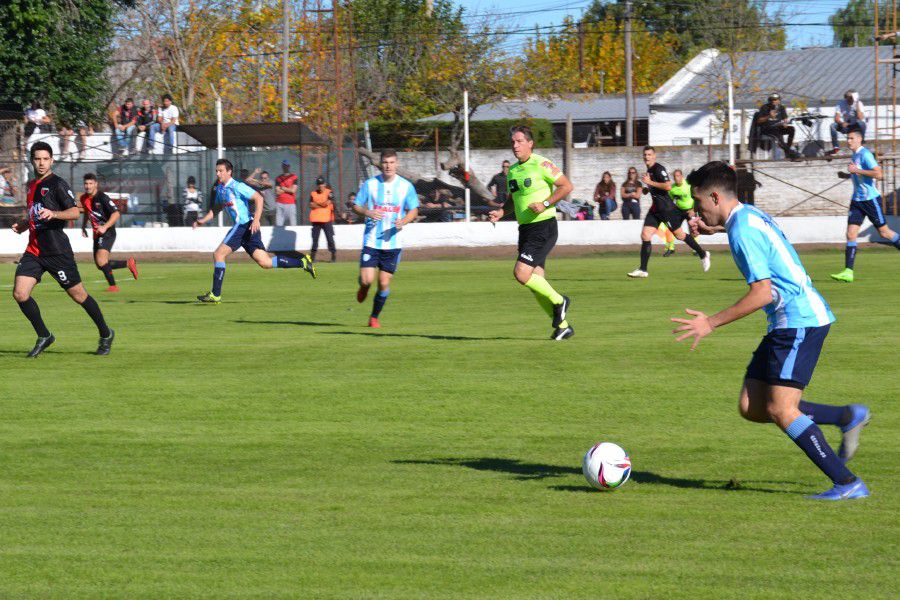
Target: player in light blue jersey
(389,203)
(234,197)
(799,319)
(866,202)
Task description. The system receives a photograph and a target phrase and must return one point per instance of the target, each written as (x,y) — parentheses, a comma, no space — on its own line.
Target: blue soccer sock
(378,302)
(850,255)
(825,414)
(808,436)
(280,261)
(218,277)
(896,241)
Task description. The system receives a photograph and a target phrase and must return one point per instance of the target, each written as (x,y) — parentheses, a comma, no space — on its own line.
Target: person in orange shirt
(321,216)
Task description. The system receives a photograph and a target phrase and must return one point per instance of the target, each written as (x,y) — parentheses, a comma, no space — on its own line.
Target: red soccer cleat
(112,288)
(373,322)
(132,266)
(361,293)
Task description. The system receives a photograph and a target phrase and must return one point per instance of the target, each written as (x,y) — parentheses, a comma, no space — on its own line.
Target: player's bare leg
(366,278)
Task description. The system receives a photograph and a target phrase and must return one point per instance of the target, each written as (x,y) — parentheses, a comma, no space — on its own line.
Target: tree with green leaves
(56,53)
(854,25)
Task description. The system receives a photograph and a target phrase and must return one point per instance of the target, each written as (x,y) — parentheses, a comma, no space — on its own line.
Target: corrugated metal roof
(582,107)
(813,75)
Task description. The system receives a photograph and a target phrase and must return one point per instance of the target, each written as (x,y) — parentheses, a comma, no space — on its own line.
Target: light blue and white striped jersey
(762,252)
(864,187)
(234,197)
(392,199)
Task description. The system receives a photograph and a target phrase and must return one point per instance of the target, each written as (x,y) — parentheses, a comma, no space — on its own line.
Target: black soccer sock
(646,250)
(32,311)
(378,302)
(692,243)
(91,307)
(117,264)
(850,255)
(107,272)
(825,414)
(808,436)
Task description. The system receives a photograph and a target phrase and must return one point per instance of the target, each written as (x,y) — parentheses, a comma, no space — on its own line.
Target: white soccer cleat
(704,262)
(637,273)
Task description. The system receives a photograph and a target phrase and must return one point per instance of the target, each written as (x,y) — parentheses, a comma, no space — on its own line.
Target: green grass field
(272,446)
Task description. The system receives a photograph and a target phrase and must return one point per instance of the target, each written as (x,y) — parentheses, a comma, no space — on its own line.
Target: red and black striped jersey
(99,208)
(47,237)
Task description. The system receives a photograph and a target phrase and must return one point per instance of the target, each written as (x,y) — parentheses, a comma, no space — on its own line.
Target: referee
(530,183)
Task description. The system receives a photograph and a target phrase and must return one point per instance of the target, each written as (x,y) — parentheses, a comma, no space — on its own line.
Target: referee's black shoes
(41,344)
(562,333)
(560,310)
(105,345)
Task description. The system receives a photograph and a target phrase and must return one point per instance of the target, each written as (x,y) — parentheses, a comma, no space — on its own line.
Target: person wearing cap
(772,120)
(286,196)
(849,115)
(321,216)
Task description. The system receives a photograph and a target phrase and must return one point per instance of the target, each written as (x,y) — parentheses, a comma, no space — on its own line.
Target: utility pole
(629,92)
(581,53)
(285,46)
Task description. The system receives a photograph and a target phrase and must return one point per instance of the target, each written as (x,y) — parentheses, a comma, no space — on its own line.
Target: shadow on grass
(197,302)
(524,471)
(461,338)
(298,323)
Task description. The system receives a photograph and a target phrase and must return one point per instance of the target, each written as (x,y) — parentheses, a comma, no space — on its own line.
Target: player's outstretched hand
(698,328)
(495,215)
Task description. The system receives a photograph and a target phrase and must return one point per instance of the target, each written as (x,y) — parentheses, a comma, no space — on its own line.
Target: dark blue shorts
(386,260)
(788,357)
(240,236)
(867,208)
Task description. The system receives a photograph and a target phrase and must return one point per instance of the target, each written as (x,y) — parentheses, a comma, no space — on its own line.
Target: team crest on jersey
(527,182)
(554,170)
(44,191)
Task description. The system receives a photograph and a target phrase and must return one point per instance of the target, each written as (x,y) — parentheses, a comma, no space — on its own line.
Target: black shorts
(105,241)
(672,219)
(536,240)
(61,267)
(859,210)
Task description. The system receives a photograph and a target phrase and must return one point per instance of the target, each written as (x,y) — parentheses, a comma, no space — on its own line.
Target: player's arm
(564,187)
(113,219)
(206,218)
(84,222)
(759,295)
(410,216)
(660,185)
(69,214)
(257,200)
(874,172)
(20,225)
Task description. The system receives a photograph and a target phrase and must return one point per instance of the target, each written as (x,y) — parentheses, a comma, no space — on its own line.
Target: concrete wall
(787,188)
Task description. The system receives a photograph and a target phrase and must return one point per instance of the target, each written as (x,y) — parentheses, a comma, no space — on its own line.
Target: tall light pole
(629,92)
(285,45)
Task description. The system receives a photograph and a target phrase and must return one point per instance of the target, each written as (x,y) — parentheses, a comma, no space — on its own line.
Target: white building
(688,108)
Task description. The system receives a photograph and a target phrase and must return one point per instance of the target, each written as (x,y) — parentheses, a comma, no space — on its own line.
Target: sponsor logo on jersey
(554,170)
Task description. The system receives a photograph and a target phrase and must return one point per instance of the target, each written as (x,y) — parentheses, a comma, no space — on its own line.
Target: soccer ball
(606,466)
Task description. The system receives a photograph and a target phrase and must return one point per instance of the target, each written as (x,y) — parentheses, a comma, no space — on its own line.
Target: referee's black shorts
(536,240)
(672,219)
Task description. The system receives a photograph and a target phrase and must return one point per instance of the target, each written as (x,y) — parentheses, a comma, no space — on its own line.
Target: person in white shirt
(7,189)
(167,123)
(36,120)
(849,116)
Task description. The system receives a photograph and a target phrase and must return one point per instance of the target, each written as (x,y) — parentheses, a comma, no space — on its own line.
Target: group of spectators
(630,193)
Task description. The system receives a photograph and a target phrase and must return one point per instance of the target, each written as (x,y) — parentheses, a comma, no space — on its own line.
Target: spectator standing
(262,183)
(631,195)
(146,117)
(167,123)
(126,126)
(321,216)
(605,195)
(849,115)
(497,186)
(286,196)
(192,202)
(36,120)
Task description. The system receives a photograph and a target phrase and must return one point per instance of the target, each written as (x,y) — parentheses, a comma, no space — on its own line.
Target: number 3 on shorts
(62,276)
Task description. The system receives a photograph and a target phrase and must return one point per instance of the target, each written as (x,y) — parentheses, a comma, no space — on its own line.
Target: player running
(234,197)
(50,204)
(866,202)
(799,319)
(662,210)
(532,197)
(389,203)
(103,215)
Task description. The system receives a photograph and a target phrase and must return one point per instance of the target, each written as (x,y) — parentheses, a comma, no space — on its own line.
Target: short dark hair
(649,148)
(167,97)
(388,153)
(261,173)
(191,180)
(505,162)
(716,174)
(524,130)
(90,177)
(226,162)
(856,131)
(677,171)
(127,100)
(40,146)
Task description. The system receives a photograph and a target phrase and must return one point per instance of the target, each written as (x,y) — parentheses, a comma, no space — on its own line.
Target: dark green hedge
(419,135)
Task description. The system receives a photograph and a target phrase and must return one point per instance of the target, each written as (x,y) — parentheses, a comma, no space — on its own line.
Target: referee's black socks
(93,310)
(646,250)
(31,310)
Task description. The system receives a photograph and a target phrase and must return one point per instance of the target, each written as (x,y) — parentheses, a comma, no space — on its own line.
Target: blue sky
(807,19)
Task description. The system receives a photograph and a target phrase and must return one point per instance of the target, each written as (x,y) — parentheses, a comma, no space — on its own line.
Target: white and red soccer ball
(606,466)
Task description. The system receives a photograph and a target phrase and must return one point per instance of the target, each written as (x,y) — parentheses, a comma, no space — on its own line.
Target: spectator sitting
(772,120)
(146,118)
(66,135)
(260,181)
(7,189)
(192,202)
(347,216)
(167,123)
(125,126)
(36,120)
(439,207)
(631,195)
(849,116)
(605,195)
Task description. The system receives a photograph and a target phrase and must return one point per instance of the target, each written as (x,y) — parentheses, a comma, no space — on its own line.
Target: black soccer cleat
(563,333)
(41,344)
(668,252)
(105,345)
(560,310)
